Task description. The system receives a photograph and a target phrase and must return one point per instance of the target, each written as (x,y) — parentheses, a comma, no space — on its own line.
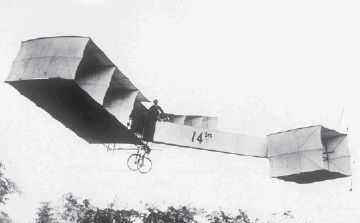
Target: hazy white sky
(260,66)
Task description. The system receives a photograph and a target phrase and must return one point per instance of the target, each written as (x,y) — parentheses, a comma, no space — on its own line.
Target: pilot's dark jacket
(154,112)
(152,117)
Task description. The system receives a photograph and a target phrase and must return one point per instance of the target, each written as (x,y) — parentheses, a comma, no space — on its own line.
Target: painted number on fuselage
(201,137)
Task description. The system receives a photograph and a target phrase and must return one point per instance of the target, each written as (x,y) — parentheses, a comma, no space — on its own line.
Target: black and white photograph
(184,111)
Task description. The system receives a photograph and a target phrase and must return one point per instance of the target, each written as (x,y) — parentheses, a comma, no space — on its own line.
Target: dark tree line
(74,209)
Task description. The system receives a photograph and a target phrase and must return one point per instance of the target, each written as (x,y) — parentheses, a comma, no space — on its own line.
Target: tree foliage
(45,213)
(74,210)
(5,218)
(7,186)
(77,210)
(109,215)
(221,217)
(181,214)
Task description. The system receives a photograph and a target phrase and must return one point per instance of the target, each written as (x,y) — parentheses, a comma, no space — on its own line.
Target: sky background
(260,66)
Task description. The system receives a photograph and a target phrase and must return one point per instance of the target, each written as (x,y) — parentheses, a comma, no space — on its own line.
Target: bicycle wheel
(132,161)
(145,166)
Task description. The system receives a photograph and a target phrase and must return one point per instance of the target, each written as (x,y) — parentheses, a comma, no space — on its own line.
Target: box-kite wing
(74,81)
(309,154)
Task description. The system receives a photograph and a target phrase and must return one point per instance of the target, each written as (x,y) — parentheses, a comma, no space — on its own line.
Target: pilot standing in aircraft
(153,115)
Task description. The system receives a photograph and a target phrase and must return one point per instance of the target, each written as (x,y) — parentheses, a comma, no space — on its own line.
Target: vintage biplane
(75,82)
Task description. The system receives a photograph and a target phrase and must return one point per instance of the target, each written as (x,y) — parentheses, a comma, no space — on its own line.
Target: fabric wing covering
(193,136)
(307,155)
(74,81)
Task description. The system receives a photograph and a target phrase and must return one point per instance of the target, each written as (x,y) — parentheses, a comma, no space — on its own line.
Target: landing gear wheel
(133,161)
(145,166)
